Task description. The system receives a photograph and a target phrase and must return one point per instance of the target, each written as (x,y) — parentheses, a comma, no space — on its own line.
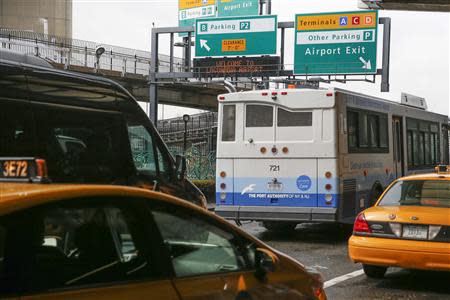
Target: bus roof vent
(414,101)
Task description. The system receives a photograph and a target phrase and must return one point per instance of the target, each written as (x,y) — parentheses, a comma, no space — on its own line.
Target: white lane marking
(342,278)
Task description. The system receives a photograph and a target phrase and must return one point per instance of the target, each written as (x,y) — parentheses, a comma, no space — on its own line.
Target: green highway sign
(191,10)
(336,43)
(252,35)
(234,8)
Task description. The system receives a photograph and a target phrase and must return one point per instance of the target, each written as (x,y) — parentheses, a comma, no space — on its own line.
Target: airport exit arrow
(204,45)
(366,65)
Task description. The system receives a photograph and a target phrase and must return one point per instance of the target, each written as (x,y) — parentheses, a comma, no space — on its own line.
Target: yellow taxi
(409,226)
(68,241)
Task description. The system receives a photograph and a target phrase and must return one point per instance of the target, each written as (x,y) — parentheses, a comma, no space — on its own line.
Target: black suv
(88,129)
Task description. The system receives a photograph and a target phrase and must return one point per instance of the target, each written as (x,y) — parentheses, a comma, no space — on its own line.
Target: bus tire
(375,194)
(374,271)
(279,226)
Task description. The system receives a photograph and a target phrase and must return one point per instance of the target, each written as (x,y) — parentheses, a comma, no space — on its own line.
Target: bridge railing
(80,53)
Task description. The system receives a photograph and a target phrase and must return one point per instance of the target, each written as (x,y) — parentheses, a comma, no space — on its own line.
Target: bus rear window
(229,123)
(259,116)
(292,119)
(418,193)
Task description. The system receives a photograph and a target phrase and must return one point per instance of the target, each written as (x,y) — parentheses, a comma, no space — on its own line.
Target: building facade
(53,17)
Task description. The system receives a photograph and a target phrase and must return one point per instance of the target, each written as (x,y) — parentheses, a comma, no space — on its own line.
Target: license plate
(415,231)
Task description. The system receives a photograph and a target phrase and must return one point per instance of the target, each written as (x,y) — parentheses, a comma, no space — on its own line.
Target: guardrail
(80,53)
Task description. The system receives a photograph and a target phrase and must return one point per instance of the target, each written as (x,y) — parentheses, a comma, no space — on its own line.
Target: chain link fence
(201,139)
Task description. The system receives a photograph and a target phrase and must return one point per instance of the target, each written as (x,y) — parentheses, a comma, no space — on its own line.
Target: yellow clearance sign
(336,21)
(234,45)
(186,4)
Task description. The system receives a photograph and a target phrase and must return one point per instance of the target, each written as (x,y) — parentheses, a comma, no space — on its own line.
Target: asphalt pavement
(324,247)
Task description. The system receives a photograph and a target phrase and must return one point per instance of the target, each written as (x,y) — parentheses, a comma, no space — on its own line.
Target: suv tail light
(361,224)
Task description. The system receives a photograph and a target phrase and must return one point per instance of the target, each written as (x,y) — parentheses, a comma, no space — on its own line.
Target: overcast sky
(420,47)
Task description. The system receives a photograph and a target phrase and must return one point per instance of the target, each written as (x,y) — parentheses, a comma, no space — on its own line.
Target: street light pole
(185,120)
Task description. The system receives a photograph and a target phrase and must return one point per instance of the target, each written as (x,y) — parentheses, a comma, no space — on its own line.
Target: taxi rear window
(434,193)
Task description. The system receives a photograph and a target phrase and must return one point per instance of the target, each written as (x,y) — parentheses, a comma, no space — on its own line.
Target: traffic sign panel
(233,8)
(191,10)
(336,43)
(252,35)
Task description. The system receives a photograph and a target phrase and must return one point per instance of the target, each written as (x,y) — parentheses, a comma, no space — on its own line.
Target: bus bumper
(277,213)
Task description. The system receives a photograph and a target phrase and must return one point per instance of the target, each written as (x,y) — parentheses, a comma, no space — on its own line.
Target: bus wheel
(279,226)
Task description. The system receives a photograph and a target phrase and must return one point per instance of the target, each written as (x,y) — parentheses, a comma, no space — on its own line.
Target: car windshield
(434,193)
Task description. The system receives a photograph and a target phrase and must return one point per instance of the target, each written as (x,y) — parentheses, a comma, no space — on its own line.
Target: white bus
(314,155)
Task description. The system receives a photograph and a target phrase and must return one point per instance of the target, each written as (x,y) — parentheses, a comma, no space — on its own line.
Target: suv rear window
(418,193)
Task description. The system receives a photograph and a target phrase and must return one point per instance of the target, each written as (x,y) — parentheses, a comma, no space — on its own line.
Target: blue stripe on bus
(277,199)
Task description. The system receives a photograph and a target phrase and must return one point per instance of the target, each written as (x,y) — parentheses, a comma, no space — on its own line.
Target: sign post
(252,35)
(336,43)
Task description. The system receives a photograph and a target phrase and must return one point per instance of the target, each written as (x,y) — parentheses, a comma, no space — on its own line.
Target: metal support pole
(386,53)
(261,5)
(153,86)
(282,49)
(135,63)
(110,59)
(85,56)
(268,7)
(185,139)
(188,52)
(185,54)
(171,53)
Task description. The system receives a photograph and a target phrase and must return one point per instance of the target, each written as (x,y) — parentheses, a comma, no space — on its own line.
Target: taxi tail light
(433,231)
(317,283)
(361,224)
(41,168)
(396,229)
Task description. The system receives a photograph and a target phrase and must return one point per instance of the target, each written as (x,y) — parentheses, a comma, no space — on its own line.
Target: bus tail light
(361,224)
(328,198)
(274,93)
(285,150)
(223,196)
(328,175)
(223,186)
(223,174)
(264,93)
(329,94)
(274,150)
(284,93)
(263,150)
(221,97)
(328,186)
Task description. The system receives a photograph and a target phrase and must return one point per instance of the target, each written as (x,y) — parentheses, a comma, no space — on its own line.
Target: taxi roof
(18,196)
(427,176)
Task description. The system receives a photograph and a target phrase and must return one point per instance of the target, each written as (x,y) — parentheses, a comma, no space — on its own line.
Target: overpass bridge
(130,67)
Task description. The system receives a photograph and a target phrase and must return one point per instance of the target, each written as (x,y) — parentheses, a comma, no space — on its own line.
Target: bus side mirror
(180,166)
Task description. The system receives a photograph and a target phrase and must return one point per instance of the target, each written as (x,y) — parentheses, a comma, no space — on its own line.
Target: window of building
(229,123)
(367,131)
(423,143)
(293,119)
(259,116)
